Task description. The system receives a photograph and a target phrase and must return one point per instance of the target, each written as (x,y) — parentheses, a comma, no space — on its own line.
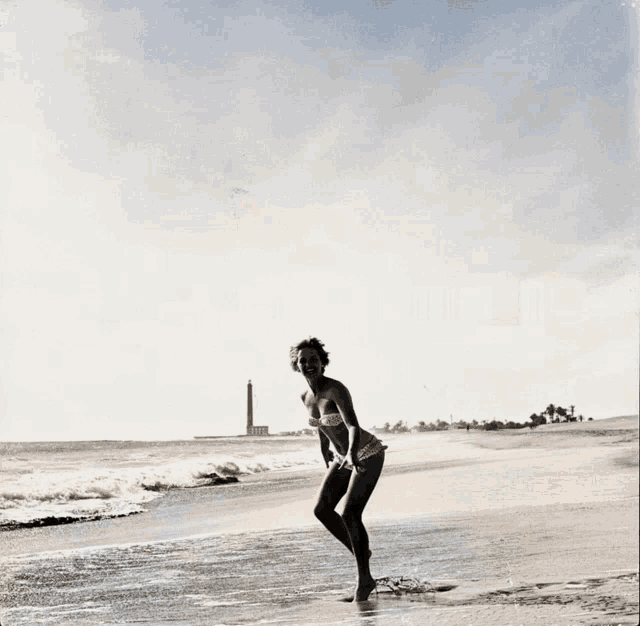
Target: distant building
(259,431)
(253,431)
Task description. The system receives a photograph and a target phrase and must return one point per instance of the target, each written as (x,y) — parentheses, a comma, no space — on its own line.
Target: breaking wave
(42,498)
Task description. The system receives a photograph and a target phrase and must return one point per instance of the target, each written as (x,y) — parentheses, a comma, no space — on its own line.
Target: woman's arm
(342,398)
(327,454)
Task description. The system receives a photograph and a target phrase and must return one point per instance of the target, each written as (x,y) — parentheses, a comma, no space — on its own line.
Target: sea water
(249,577)
(46,483)
(289,576)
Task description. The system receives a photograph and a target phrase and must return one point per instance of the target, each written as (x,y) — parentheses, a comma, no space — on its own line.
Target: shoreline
(484,567)
(472,448)
(523,529)
(451,482)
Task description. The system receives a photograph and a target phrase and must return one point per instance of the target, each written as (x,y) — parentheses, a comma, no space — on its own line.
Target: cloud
(511,176)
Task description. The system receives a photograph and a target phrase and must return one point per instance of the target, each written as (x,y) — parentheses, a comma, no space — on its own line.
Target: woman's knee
(321,510)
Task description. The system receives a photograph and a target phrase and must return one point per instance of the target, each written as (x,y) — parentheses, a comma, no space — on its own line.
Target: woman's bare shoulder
(336,386)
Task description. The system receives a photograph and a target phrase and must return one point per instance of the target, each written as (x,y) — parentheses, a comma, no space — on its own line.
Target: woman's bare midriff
(339,436)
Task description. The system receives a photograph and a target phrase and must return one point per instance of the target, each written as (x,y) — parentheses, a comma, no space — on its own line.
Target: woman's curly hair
(312,343)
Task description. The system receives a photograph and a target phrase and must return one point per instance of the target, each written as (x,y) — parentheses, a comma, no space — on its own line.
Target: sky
(444,192)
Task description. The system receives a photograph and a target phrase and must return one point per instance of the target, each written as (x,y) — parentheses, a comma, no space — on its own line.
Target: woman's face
(309,363)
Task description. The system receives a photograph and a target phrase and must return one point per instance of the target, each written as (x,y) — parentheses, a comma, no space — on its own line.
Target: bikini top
(331,419)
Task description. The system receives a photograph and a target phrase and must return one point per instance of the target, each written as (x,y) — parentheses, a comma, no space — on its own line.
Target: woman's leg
(334,486)
(361,486)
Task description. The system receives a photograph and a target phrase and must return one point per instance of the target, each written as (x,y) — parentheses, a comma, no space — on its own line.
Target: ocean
(251,577)
(160,544)
(177,558)
(47,483)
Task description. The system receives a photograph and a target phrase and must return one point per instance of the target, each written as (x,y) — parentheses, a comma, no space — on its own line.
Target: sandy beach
(508,527)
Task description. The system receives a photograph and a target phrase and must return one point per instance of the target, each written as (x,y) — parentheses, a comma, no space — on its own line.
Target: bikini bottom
(375,446)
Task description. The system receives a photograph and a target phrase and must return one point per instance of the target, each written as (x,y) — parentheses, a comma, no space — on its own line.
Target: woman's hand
(328,457)
(349,460)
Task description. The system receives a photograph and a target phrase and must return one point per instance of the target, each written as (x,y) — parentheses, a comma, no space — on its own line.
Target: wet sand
(510,527)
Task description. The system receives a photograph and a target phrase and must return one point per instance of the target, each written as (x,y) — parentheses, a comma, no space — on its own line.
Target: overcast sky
(444,192)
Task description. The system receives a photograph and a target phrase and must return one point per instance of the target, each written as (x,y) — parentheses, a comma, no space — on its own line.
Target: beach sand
(507,527)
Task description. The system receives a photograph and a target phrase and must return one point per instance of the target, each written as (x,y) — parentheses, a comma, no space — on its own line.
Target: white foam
(96,492)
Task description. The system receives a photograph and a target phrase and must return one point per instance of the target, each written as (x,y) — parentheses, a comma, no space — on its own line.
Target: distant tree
(550,411)
(562,413)
(441,425)
(580,417)
(572,407)
(474,424)
(400,427)
(387,427)
(538,419)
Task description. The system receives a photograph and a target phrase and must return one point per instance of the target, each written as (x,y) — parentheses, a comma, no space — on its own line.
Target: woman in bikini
(354,463)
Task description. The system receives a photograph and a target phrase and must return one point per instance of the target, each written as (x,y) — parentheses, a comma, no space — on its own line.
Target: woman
(355,466)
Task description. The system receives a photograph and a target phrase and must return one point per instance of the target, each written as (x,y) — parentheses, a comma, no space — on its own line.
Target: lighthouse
(251,429)
(249,407)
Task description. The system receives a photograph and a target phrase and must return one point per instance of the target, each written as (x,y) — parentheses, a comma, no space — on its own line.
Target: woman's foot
(364,589)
